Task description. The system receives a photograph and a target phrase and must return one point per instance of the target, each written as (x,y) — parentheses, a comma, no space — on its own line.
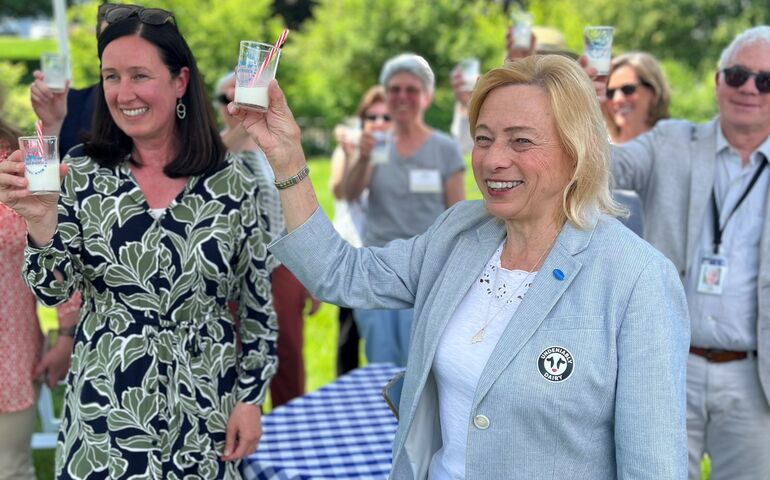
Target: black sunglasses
(627,89)
(149,16)
(373,118)
(223,99)
(737,76)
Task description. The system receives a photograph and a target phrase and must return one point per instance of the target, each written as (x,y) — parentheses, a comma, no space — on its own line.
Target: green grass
(14,48)
(321,329)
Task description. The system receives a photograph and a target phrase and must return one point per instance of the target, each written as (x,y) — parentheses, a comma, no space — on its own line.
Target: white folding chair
(49,422)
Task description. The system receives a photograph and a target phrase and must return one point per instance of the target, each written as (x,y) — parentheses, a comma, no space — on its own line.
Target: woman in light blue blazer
(549,341)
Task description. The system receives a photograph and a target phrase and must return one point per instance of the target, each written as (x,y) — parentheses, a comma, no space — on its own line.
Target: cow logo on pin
(555,364)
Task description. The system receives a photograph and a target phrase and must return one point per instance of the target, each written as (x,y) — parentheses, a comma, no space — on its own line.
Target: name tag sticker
(713,274)
(424,181)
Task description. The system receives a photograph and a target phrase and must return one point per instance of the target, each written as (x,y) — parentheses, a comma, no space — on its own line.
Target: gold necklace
(479,336)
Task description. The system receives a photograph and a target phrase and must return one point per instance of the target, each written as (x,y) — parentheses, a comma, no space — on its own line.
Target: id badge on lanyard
(713,266)
(712,275)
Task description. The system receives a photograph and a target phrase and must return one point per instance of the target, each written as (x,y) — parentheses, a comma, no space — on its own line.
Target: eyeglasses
(374,118)
(737,76)
(396,89)
(627,89)
(223,99)
(149,16)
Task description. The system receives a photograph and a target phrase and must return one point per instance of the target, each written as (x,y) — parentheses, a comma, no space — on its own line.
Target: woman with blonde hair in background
(638,96)
(368,133)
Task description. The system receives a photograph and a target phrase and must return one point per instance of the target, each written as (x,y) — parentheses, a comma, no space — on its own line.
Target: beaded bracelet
(284,184)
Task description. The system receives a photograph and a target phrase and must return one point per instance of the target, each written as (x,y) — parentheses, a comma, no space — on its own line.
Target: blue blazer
(603,294)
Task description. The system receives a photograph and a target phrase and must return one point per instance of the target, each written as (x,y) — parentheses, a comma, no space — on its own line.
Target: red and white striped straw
(272,52)
(39,129)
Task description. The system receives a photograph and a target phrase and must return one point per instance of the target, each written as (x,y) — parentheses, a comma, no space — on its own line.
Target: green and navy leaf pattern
(156,367)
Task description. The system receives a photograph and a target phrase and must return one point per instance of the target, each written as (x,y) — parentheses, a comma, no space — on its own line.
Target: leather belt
(720,356)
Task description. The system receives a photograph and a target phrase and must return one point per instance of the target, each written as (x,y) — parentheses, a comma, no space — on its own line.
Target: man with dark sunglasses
(704,188)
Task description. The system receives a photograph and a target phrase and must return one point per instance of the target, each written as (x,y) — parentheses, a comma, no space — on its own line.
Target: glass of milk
(41,164)
(521,29)
(470,68)
(598,48)
(55,68)
(253,75)
(381,150)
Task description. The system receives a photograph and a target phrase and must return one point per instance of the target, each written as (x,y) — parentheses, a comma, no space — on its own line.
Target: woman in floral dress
(159,230)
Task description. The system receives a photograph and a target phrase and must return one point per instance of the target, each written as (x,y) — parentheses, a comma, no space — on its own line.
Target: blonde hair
(375,94)
(650,76)
(579,126)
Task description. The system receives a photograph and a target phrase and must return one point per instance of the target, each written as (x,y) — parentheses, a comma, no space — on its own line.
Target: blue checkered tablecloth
(342,430)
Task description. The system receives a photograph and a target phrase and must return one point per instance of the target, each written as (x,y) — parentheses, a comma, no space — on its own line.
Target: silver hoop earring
(181,109)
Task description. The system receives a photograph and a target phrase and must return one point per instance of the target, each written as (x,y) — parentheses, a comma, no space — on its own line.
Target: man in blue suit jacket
(688,176)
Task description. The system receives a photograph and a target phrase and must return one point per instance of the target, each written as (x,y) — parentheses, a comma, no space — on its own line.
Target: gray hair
(760,34)
(409,63)
(225,78)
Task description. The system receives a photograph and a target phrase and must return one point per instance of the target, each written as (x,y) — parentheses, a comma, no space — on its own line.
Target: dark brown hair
(200,147)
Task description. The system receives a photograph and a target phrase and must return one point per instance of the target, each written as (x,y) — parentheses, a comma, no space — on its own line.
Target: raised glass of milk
(55,68)
(41,164)
(256,67)
(598,48)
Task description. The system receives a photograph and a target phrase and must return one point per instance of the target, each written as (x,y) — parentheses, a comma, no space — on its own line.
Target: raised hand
(515,53)
(275,131)
(462,95)
(278,135)
(599,82)
(40,211)
(49,106)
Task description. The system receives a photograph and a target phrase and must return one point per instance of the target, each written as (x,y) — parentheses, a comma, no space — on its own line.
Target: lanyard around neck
(718,230)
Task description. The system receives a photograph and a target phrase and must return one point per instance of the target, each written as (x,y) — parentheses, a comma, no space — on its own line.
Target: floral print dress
(157,366)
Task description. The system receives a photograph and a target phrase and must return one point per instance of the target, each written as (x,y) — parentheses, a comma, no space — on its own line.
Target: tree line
(337,52)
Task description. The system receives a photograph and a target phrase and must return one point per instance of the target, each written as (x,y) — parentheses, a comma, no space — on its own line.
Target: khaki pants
(15,451)
(728,417)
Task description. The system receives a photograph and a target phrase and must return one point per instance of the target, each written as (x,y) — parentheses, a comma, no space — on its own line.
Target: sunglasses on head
(737,76)
(374,118)
(148,16)
(627,89)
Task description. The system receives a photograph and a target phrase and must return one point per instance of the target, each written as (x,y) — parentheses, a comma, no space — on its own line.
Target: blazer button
(481,422)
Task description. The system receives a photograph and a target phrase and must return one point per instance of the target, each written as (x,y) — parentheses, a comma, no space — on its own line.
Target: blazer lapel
(545,291)
(703,159)
(466,261)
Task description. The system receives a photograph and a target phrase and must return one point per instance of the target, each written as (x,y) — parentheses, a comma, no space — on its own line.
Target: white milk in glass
(41,164)
(602,65)
(254,97)
(43,178)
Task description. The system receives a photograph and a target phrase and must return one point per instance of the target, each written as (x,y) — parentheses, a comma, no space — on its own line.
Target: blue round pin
(558,274)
